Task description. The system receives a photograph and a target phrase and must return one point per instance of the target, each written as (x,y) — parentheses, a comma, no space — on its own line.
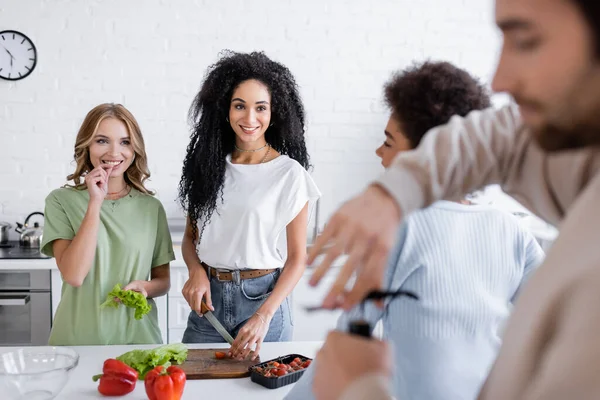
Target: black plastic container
(278,381)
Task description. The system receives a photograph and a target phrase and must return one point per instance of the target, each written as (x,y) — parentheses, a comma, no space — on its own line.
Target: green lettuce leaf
(129,298)
(143,361)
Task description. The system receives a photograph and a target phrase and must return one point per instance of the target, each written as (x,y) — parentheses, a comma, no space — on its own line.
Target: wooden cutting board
(202,364)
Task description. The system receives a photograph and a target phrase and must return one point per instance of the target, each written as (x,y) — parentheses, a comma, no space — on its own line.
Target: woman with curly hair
(105,229)
(467,263)
(245,188)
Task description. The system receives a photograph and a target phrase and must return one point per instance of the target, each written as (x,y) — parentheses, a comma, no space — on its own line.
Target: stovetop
(13,251)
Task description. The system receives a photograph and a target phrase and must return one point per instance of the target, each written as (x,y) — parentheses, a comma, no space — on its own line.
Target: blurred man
(544,153)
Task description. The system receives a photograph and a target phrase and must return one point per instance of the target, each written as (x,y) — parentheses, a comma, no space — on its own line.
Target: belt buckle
(236,276)
(218,276)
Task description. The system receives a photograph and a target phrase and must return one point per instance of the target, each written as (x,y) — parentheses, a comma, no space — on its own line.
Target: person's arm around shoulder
(457,158)
(451,161)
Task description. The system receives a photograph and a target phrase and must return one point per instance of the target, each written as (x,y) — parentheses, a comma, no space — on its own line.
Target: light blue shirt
(467,264)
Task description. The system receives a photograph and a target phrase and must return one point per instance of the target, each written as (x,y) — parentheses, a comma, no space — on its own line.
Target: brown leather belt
(244,273)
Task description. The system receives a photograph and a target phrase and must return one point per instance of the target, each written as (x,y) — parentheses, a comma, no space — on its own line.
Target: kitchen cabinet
(177,307)
(56,289)
(161,307)
(25,312)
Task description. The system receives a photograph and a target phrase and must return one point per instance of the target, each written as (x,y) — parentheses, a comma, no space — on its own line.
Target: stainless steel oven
(25,307)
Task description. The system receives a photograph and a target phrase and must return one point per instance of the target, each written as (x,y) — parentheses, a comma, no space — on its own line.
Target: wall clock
(18,55)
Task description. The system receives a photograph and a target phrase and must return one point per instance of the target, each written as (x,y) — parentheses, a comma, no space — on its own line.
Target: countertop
(81,387)
(30,264)
(50,263)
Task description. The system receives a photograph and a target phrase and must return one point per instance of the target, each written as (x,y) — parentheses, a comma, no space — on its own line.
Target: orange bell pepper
(165,384)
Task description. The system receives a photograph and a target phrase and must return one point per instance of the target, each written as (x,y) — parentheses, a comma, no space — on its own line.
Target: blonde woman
(104,229)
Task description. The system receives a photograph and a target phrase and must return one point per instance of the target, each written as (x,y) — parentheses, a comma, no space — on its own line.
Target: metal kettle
(31,236)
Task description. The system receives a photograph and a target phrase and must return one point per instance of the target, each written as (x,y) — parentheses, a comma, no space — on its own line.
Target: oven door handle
(14,300)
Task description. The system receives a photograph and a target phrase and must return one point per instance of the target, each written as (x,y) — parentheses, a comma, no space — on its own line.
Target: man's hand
(345,358)
(364,228)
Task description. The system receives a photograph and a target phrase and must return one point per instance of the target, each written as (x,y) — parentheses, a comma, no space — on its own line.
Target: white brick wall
(151,55)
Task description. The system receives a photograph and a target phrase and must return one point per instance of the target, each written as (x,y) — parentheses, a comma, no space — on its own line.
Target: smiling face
(111,145)
(549,65)
(395,142)
(250,113)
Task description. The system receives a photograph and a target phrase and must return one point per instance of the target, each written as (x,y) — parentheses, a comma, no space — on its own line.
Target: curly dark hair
(426,95)
(212,137)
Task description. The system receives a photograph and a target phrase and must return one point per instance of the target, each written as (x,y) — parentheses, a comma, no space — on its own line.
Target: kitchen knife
(215,323)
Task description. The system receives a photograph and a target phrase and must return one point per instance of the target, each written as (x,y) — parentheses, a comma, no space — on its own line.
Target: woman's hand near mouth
(97,182)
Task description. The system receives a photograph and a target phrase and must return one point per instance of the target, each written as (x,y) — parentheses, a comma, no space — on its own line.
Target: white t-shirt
(259,201)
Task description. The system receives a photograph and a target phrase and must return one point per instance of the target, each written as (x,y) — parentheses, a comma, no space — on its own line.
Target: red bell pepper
(165,384)
(117,378)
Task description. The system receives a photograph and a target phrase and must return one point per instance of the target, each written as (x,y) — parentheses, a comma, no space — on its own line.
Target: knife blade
(215,323)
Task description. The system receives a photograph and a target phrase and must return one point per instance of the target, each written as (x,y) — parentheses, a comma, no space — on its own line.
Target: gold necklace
(116,193)
(266,154)
(113,193)
(249,151)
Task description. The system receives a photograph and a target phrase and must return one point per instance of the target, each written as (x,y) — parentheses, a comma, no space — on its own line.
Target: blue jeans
(234,304)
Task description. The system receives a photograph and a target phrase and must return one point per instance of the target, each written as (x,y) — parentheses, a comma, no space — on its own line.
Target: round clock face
(18,55)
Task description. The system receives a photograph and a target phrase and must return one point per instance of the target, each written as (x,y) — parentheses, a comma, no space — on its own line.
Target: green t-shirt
(133,237)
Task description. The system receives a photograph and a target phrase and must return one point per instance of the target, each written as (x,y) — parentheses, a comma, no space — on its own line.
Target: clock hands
(9,53)
(11,57)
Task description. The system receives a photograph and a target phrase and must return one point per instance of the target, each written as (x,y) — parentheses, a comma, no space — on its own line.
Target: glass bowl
(35,373)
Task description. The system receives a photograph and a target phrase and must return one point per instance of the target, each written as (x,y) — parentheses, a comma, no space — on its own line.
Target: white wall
(151,56)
